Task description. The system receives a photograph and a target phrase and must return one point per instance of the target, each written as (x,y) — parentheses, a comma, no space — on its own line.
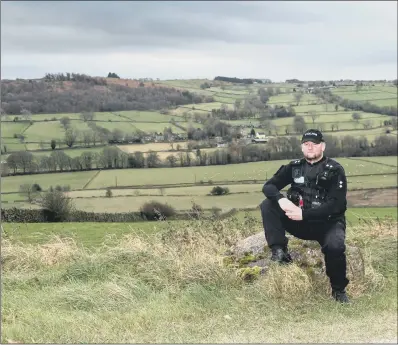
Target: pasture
(255,171)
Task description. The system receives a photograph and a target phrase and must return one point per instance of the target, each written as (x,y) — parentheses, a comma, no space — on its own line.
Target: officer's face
(312,150)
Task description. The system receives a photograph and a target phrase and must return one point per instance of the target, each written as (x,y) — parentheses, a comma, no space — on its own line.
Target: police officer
(314,209)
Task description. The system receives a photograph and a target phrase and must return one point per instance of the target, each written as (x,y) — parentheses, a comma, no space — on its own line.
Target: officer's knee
(334,246)
(266,205)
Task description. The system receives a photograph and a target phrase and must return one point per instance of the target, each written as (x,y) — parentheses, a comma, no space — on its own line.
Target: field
(381,96)
(181,187)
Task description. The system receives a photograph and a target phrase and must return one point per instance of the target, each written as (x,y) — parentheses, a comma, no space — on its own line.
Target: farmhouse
(4,168)
(260,135)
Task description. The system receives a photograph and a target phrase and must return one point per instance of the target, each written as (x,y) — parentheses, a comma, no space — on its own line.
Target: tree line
(24,162)
(53,95)
(239,80)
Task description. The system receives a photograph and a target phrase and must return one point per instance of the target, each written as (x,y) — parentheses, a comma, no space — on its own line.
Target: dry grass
(150,147)
(173,287)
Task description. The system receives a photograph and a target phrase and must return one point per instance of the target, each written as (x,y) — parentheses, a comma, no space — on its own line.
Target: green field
(50,117)
(47,131)
(157,127)
(378,95)
(76,180)
(147,116)
(8,129)
(233,172)
(389,160)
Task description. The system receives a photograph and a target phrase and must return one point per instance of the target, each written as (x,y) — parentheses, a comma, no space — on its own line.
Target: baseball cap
(312,135)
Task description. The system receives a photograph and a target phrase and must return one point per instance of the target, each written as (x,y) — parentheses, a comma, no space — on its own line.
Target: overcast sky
(175,40)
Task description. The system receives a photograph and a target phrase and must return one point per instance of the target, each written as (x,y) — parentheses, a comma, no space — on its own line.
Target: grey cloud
(30,25)
(323,35)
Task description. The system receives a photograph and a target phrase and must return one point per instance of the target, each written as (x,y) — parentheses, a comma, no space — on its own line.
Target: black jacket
(336,200)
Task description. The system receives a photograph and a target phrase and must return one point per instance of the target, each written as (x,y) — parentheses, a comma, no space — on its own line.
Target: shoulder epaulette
(333,165)
(295,162)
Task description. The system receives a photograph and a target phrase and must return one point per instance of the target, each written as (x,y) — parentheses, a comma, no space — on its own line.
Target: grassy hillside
(116,283)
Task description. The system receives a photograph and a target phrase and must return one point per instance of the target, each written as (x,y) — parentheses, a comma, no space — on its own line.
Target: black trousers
(329,234)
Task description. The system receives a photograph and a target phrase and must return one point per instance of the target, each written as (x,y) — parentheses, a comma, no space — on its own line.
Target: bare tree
(26,114)
(30,190)
(172,160)
(87,116)
(299,124)
(313,115)
(356,116)
(65,121)
(87,137)
(70,137)
(298,96)
(367,124)
(394,122)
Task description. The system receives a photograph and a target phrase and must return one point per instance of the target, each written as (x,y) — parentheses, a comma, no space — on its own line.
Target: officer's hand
(286,204)
(295,214)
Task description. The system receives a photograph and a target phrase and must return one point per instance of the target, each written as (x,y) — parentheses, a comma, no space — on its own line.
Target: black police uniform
(323,188)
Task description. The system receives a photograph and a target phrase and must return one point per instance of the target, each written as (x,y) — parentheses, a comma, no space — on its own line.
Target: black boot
(281,255)
(340,296)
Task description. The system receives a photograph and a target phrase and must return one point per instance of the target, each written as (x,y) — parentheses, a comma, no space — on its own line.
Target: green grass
(147,116)
(233,172)
(125,127)
(88,234)
(156,127)
(49,117)
(76,180)
(389,160)
(12,145)
(386,102)
(319,108)
(8,129)
(93,234)
(227,100)
(45,131)
(140,289)
(207,106)
(354,215)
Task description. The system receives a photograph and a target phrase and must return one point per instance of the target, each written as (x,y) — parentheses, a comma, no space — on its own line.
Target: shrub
(155,210)
(57,206)
(108,193)
(218,190)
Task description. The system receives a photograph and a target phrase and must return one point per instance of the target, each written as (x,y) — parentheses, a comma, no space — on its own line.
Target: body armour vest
(310,183)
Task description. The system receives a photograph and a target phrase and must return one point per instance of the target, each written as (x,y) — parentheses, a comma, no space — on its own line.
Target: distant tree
(356,116)
(87,116)
(172,159)
(313,115)
(394,122)
(336,107)
(26,114)
(30,190)
(70,137)
(53,144)
(87,137)
(367,124)
(252,132)
(152,159)
(299,124)
(112,75)
(65,121)
(298,96)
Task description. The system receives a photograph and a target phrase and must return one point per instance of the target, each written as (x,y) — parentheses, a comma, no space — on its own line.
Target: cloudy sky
(175,40)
